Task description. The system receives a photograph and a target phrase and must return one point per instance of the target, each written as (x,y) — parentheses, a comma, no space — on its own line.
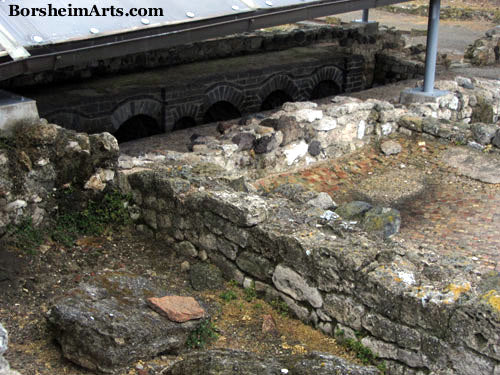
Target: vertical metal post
(432,43)
(365,15)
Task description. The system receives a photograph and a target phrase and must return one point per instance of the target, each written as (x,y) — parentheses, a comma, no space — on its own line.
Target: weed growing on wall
(97,218)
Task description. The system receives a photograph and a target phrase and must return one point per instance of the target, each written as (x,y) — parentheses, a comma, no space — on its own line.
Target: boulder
(235,362)
(290,282)
(107,324)
(496,139)
(323,201)
(474,164)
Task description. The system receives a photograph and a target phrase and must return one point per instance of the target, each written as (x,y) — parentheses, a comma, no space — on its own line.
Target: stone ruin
(331,274)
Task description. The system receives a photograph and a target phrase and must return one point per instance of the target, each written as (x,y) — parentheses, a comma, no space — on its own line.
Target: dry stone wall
(342,283)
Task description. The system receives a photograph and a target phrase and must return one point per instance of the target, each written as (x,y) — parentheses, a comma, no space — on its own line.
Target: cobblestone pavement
(450,215)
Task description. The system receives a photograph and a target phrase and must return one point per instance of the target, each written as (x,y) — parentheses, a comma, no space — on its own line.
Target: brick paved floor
(452,215)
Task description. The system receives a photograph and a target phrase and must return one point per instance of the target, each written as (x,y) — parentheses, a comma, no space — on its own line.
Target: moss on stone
(457,289)
(492,298)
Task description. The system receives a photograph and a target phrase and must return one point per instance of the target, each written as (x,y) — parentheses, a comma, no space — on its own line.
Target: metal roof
(36,43)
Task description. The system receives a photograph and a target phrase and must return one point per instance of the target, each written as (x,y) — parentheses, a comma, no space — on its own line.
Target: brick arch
(279,82)
(183,110)
(326,73)
(134,107)
(224,93)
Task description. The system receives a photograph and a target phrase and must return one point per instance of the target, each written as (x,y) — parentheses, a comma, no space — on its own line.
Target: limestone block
(245,210)
(290,282)
(255,265)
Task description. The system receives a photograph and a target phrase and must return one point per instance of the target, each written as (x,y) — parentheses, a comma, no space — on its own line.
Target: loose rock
(107,324)
(177,308)
(391,147)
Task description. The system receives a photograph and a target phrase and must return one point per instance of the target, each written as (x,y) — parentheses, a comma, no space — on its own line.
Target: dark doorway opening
(324,89)
(275,100)
(184,123)
(221,111)
(136,127)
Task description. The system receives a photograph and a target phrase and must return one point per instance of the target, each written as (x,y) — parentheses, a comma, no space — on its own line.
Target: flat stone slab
(474,164)
(236,362)
(106,324)
(177,308)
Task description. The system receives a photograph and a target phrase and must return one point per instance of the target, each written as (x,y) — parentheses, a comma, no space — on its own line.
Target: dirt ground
(29,281)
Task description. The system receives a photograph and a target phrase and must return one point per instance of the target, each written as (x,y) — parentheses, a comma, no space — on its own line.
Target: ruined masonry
(339,282)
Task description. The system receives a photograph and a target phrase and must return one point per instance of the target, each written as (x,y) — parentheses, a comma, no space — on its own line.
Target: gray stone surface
(266,144)
(353,210)
(186,248)
(107,324)
(391,147)
(323,201)
(243,209)
(383,221)
(474,164)
(204,276)
(4,339)
(232,362)
(295,192)
(244,140)
(290,128)
(255,265)
(290,282)
(496,140)
(314,148)
(484,133)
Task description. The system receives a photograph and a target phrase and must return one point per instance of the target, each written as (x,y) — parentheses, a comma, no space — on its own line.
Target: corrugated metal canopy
(48,42)
(39,30)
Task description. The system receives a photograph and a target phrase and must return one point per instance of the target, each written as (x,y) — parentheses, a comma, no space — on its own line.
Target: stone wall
(304,133)
(274,39)
(345,55)
(418,314)
(40,160)
(394,67)
(485,50)
(341,284)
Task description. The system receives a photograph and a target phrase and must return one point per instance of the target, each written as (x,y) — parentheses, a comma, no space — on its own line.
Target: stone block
(290,282)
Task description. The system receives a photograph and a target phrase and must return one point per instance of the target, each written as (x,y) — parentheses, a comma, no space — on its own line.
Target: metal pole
(432,43)
(365,15)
